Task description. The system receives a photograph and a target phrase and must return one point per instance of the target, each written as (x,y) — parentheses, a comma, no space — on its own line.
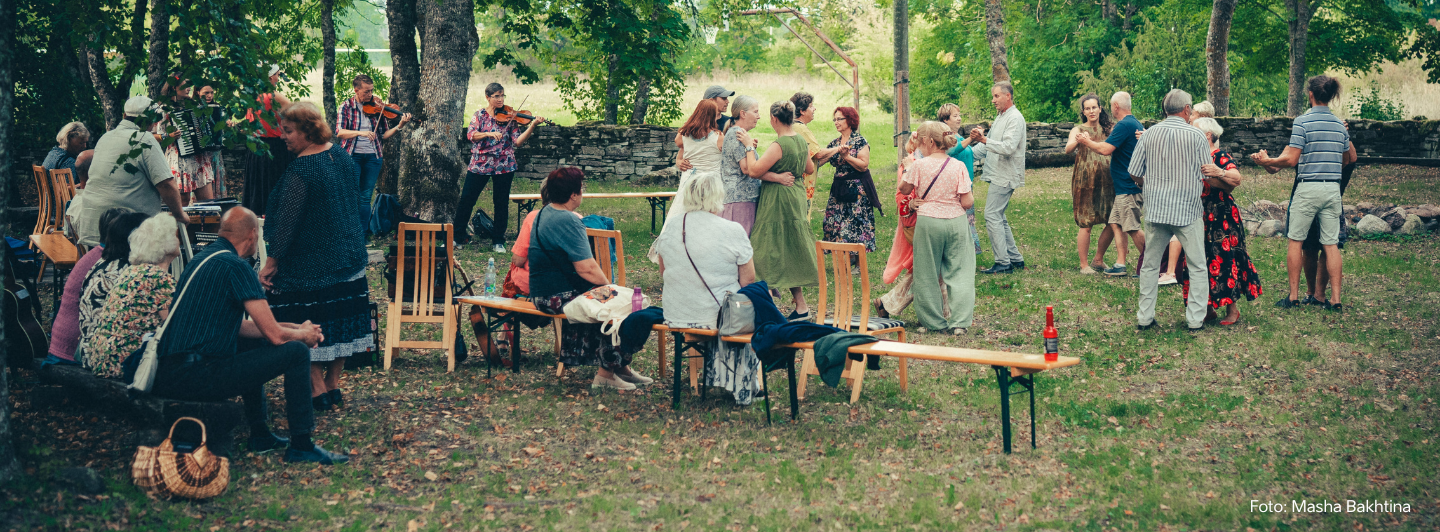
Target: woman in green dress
(784,247)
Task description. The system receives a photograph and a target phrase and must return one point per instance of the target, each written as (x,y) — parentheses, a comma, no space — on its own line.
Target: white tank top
(704,155)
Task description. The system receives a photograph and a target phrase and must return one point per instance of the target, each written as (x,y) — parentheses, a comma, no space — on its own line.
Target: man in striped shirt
(1166,165)
(1319,148)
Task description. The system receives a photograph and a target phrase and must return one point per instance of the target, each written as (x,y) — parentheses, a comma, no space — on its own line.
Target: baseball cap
(137,105)
(716,91)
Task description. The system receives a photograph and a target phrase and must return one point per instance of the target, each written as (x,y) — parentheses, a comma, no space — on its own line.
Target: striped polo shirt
(207,316)
(1168,158)
(1322,140)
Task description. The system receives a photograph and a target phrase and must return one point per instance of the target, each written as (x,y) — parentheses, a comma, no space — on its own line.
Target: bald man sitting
(200,359)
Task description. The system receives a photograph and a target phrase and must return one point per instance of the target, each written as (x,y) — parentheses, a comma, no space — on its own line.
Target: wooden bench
(153,415)
(661,200)
(510,311)
(59,251)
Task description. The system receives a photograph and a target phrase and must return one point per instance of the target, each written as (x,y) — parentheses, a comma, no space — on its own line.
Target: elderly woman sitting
(703,256)
(139,300)
(100,280)
(71,140)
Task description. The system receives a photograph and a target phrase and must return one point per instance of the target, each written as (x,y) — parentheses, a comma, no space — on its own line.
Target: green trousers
(944,254)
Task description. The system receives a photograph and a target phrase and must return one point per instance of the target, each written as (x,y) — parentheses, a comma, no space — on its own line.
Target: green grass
(1157,431)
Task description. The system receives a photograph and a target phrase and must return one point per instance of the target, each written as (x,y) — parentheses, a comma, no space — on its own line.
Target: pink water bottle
(636,300)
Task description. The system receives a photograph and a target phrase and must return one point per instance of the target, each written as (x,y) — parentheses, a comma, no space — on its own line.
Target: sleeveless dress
(849,222)
(704,155)
(1090,185)
(784,247)
(1232,275)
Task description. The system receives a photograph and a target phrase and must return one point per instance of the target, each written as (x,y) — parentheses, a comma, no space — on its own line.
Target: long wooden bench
(661,200)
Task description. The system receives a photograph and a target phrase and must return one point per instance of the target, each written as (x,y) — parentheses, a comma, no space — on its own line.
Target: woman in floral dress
(139,300)
(1232,275)
(846,220)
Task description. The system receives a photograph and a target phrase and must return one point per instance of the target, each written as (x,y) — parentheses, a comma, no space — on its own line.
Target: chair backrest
(421,285)
(600,243)
(62,190)
(44,217)
(843,291)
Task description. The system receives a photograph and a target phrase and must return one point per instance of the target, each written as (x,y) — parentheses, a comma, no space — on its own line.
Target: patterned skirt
(1232,275)
(582,344)
(341,310)
(851,222)
(190,173)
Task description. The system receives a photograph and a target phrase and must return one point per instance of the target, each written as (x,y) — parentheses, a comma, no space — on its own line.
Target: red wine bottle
(1052,336)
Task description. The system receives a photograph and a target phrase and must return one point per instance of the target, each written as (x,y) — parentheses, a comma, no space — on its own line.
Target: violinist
(361,135)
(496,131)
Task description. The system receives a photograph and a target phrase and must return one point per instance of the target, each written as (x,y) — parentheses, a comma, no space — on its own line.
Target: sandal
(1310,300)
(1227,323)
(880,308)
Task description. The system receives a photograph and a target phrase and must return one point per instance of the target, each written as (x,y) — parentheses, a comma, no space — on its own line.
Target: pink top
(520,275)
(943,198)
(65,332)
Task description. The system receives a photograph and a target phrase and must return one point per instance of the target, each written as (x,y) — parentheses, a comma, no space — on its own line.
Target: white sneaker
(921,330)
(498,248)
(1167,280)
(635,378)
(612,382)
(960,331)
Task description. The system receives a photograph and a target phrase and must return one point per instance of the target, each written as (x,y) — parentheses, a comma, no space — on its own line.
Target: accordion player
(197,130)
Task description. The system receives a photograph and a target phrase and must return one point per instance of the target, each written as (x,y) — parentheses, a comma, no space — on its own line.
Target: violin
(507,114)
(373,108)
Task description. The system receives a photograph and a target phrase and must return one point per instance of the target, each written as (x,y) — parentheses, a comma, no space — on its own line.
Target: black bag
(847,191)
(481,224)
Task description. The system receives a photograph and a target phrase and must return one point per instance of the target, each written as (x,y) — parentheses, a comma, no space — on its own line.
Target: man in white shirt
(1004,155)
(141,184)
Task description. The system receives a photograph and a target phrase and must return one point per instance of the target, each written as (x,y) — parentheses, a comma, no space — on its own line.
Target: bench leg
(1005,380)
(675,391)
(765,389)
(660,344)
(794,401)
(695,374)
(857,377)
(807,368)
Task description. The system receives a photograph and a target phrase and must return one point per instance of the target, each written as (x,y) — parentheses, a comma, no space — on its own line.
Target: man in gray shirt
(1004,156)
(1167,164)
(117,179)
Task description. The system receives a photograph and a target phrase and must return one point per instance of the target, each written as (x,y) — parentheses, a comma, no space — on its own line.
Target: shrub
(1373,106)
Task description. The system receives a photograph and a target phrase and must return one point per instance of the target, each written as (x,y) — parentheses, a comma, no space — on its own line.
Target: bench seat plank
(959,354)
(589,195)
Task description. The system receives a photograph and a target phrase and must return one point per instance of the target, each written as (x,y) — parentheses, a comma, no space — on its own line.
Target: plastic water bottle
(490,278)
(636,300)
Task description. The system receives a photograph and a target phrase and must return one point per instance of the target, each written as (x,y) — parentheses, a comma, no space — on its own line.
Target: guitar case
(25,339)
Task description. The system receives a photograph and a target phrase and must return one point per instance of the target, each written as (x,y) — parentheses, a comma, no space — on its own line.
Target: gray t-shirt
(112,185)
(363,144)
(718,246)
(557,242)
(739,188)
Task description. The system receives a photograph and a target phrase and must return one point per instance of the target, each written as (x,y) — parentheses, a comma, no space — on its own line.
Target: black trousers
(245,375)
(470,193)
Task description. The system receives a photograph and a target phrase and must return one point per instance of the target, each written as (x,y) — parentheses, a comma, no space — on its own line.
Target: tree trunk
(431,161)
(327,79)
(612,90)
(642,101)
(404,83)
(1300,13)
(159,57)
(9,466)
(902,73)
(995,34)
(1217,61)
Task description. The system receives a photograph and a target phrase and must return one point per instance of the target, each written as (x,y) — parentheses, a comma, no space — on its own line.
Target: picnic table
(526,202)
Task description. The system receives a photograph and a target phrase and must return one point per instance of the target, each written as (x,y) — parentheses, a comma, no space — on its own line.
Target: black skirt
(262,172)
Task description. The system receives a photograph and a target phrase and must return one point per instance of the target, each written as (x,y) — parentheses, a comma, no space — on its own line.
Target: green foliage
(1373,106)
(643,38)
(350,61)
(49,92)
(742,45)
(1167,54)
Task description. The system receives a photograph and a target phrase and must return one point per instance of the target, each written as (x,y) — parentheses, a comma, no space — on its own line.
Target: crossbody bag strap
(175,303)
(684,218)
(923,195)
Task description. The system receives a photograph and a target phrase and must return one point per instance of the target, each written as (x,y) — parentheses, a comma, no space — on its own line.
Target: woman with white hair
(1232,275)
(71,140)
(703,256)
(140,298)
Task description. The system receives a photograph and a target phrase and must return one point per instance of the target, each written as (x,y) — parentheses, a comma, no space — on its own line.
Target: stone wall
(1243,136)
(603,152)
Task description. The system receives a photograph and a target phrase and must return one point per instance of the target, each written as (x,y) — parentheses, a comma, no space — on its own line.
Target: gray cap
(137,105)
(716,91)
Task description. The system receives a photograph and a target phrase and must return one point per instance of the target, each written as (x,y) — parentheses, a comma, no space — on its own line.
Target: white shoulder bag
(150,362)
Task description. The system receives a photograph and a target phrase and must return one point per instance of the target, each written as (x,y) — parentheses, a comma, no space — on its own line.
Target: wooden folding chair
(417,295)
(44,217)
(59,190)
(844,315)
(600,243)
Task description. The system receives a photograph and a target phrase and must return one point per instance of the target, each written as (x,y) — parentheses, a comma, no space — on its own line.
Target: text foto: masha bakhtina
(1327,506)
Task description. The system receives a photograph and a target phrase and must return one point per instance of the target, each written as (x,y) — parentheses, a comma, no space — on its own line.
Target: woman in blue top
(949,114)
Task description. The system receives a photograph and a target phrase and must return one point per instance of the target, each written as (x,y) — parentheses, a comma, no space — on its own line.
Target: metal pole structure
(854,69)
(902,77)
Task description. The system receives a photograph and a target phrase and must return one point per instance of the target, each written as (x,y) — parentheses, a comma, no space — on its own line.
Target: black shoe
(267,442)
(796,316)
(336,398)
(315,454)
(1197,329)
(1310,300)
(1286,302)
(1017,265)
(1334,307)
(320,402)
(998,268)
(1146,327)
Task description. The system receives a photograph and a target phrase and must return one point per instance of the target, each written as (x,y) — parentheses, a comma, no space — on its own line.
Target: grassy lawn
(1163,430)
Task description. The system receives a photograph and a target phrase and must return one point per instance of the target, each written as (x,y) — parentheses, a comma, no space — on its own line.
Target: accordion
(197,133)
